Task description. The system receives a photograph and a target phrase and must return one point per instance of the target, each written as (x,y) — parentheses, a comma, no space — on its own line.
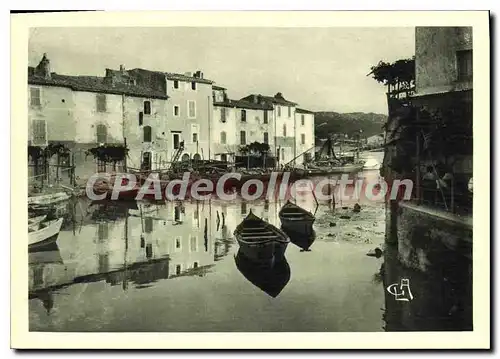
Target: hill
(349,123)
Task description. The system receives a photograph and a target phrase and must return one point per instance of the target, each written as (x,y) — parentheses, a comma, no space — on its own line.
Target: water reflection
(442,298)
(304,242)
(121,266)
(269,278)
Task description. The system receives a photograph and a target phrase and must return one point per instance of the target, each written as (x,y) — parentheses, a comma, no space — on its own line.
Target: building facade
(238,123)
(304,135)
(160,117)
(443,79)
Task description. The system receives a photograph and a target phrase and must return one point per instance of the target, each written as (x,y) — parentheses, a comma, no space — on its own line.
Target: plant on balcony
(108,153)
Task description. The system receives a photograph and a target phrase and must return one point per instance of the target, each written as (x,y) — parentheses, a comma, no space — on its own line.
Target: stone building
(237,123)
(84,112)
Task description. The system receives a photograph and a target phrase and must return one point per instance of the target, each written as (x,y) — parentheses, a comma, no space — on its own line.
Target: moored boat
(371,164)
(260,241)
(270,279)
(34,222)
(44,235)
(296,219)
(304,242)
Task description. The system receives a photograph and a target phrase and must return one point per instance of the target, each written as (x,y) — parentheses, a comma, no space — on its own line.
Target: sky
(321,69)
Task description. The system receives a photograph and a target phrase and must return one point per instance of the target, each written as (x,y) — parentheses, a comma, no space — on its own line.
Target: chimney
(122,69)
(198,74)
(43,68)
(255,99)
(279,95)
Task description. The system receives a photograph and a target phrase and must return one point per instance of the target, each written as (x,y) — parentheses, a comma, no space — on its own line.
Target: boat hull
(266,253)
(46,235)
(298,226)
(48,244)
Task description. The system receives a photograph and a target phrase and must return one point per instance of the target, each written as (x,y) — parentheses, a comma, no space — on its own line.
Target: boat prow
(46,234)
(296,219)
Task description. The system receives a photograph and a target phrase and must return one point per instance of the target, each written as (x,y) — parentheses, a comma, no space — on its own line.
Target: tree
(398,76)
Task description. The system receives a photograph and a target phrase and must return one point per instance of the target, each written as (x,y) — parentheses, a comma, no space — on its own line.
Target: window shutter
(147,107)
(147,133)
(141,118)
(39,132)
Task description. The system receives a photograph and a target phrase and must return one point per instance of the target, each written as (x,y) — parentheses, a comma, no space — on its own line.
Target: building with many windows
(160,117)
(238,123)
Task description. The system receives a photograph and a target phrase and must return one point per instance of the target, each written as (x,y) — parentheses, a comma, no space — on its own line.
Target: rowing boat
(44,235)
(260,241)
(296,219)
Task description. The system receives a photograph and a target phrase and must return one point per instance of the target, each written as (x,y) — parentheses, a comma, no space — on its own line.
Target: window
(223,114)
(302,121)
(176,84)
(103,260)
(39,132)
(194,133)
(148,224)
(146,161)
(193,244)
(147,107)
(243,116)
(266,137)
(38,275)
(176,110)
(265,117)
(177,269)
(147,133)
(193,86)
(284,130)
(282,153)
(178,243)
(289,112)
(176,141)
(195,265)
(102,133)
(243,138)
(35,96)
(279,111)
(191,109)
(303,139)
(141,118)
(223,138)
(100,102)
(102,231)
(177,213)
(464,65)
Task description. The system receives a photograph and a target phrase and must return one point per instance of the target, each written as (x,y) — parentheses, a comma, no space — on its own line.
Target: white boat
(48,199)
(34,222)
(371,164)
(45,234)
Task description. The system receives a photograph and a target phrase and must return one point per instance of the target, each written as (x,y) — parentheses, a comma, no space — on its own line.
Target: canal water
(170,267)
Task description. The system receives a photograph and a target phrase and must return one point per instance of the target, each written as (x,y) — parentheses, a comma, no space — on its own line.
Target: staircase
(177,154)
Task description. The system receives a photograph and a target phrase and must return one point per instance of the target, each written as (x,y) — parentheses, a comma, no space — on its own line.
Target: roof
(243,104)
(216,87)
(276,99)
(176,76)
(181,77)
(301,110)
(94,84)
